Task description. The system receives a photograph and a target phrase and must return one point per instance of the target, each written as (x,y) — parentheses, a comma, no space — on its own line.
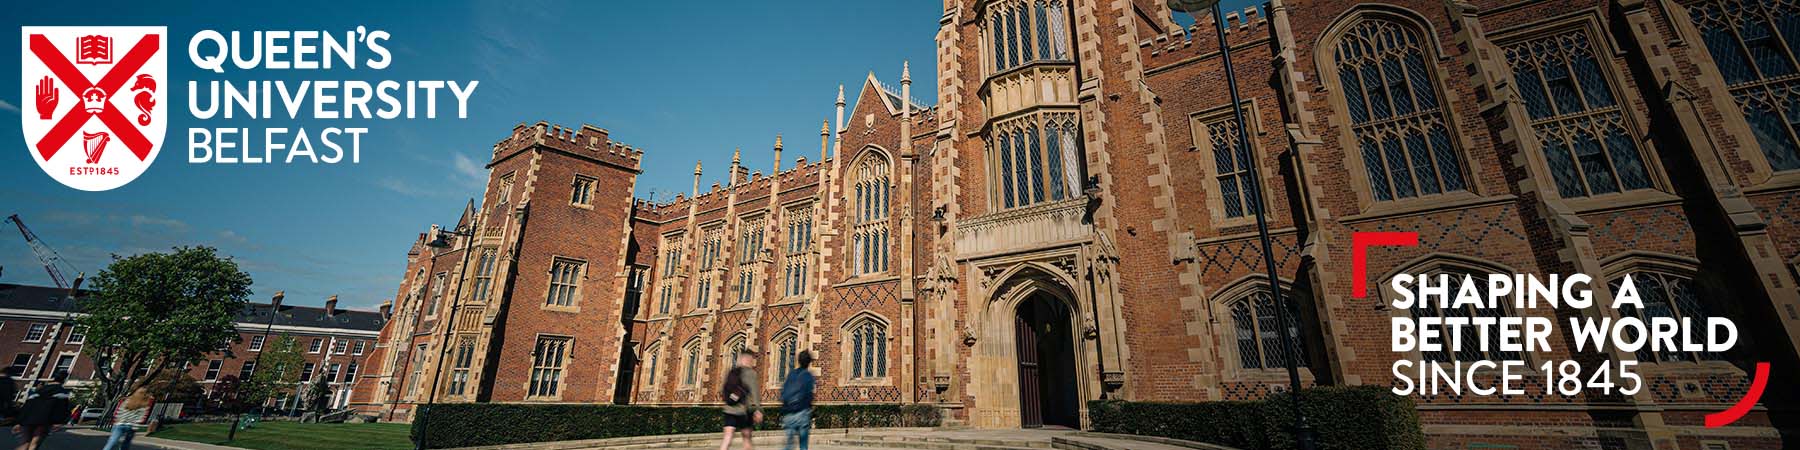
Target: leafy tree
(276,373)
(175,386)
(156,312)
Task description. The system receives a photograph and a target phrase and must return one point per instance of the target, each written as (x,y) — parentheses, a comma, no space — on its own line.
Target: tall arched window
(652,356)
(787,346)
(1756,45)
(1254,321)
(690,372)
(868,348)
(1575,116)
(1395,113)
(1668,295)
(1026,31)
(870,237)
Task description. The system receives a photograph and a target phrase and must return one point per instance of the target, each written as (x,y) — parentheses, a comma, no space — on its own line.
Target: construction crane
(44,253)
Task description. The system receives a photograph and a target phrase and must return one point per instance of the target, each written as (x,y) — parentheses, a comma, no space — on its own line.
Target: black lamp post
(255,363)
(1303,433)
(437,372)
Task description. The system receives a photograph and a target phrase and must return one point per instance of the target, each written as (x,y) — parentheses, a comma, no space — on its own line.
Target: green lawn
(296,436)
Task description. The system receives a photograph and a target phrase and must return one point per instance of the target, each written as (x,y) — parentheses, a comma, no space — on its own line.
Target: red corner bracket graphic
(1359,254)
(1743,405)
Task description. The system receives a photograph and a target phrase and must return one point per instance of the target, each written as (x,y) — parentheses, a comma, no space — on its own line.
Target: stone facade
(1079,178)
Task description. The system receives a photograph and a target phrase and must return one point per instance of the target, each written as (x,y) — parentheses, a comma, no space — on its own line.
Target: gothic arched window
(1575,116)
(1254,321)
(1666,295)
(870,237)
(690,372)
(1756,45)
(868,348)
(1395,113)
(1037,159)
(787,347)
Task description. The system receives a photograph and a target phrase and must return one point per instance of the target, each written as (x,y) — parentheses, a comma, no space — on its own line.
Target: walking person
(797,403)
(46,408)
(743,405)
(132,411)
(9,392)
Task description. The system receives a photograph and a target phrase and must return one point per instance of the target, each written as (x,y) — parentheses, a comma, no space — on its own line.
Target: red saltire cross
(65,71)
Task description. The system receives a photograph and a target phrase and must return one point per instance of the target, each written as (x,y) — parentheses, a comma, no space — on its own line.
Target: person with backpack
(46,408)
(797,403)
(743,406)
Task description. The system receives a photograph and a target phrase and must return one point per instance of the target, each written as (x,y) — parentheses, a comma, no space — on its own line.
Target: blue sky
(683,81)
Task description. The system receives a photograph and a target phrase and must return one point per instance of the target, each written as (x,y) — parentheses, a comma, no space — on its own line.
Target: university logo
(93,116)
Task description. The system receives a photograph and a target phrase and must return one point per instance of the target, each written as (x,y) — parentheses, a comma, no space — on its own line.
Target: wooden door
(1031,411)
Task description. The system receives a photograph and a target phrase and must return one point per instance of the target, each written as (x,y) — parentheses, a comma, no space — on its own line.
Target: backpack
(735,391)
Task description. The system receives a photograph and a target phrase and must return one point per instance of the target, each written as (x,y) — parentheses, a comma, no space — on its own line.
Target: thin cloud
(4,106)
(473,171)
(405,188)
(143,221)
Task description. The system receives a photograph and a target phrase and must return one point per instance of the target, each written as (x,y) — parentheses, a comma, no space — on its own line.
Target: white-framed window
(868,349)
(247,370)
(316,345)
(484,275)
(77,335)
(331,372)
(870,239)
(1396,114)
(256,343)
(212,369)
(36,332)
(64,363)
(306,371)
(547,366)
(581,191)
(20,362)
(339,346)
(358,348)
(565,282)
(350,372)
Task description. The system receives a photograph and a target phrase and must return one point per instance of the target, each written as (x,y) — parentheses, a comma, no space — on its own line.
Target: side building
(38,337)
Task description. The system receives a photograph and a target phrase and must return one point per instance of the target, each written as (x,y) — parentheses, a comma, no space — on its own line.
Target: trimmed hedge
(475,424)
(1343,418)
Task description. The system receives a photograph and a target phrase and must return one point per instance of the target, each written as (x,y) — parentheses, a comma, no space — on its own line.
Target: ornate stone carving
(968,336)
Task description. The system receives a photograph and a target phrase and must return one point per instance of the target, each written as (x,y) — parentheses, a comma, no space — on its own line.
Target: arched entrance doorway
(1048,390)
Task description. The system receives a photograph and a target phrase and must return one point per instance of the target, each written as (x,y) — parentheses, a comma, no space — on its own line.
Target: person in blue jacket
(797,403)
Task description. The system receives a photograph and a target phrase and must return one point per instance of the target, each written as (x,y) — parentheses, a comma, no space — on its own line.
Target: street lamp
(1303,433)
(441,242)
(255,363)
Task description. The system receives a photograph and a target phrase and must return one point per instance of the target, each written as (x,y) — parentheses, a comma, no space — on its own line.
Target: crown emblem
(93,100)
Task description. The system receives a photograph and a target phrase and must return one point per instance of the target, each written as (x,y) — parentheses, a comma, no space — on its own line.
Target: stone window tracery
(1254,321)
(1575,116)
(1396,115)
(1756,46)
(1036,159)
(870,238)
(1666,295)
(1026,31)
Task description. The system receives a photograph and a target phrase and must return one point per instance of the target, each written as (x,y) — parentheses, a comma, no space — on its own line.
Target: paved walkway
(890,439)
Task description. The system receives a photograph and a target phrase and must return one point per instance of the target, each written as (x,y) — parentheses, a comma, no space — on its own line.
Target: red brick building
(1075,216)
(37,341)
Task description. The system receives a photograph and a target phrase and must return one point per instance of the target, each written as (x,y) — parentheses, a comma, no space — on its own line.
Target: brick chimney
(331,306)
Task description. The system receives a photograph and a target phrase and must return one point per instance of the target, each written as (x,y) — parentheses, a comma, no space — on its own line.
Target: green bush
(1343,418)
(475,424)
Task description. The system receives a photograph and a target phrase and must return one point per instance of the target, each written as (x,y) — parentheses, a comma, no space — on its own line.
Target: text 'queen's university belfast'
(1072,220)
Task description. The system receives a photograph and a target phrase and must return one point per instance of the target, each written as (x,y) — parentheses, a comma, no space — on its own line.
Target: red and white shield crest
(93,110)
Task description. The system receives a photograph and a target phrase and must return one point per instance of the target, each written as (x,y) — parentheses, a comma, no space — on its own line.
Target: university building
(1073,219)
(39,338)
